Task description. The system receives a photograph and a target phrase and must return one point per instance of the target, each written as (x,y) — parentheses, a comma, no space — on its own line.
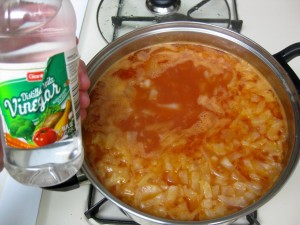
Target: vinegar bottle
(39,99)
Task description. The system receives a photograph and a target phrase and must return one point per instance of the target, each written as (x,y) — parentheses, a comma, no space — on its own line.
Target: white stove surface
(272,24)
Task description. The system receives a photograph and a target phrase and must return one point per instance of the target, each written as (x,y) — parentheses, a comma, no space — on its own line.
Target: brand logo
(34,100)
(35,76)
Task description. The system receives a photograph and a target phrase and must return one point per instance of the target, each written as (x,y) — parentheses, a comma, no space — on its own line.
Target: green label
(37,103)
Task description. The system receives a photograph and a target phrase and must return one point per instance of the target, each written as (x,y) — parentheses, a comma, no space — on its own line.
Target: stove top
(118,17)
(272,24)
(69,207)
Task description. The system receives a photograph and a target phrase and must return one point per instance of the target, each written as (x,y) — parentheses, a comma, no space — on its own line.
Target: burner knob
(163,7)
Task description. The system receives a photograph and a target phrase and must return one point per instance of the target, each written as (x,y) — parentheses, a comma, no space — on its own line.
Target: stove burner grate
(191,14)
(94,208)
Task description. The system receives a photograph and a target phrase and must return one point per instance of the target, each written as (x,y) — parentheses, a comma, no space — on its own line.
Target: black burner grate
(232,21)
(94,209)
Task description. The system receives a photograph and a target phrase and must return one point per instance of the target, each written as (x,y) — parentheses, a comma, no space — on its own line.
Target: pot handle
(71,184)
(286,55)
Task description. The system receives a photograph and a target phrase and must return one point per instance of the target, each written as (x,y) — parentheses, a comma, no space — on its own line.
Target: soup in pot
(185,132)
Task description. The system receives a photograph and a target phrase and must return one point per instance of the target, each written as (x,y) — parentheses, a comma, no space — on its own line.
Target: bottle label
(39,102)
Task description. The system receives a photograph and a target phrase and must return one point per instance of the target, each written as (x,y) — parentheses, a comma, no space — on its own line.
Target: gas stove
(271,24)
(118,17)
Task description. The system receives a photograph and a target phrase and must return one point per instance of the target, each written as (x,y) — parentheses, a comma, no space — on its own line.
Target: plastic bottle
(39,101)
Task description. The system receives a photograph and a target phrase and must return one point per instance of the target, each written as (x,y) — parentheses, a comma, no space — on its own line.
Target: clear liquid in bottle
(39,99)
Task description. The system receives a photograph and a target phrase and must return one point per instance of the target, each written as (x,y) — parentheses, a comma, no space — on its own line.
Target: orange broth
(185,132)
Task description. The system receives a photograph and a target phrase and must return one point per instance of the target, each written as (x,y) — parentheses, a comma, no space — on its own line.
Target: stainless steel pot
(278,74)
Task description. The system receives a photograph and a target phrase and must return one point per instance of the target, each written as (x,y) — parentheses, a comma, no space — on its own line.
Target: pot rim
(237,39)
